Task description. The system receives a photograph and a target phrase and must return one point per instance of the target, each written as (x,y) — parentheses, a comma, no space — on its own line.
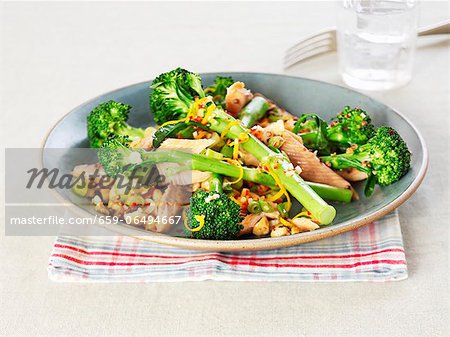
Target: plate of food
(237,161)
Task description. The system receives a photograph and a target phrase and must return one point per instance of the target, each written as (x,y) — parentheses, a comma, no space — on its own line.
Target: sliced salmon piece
(312,168)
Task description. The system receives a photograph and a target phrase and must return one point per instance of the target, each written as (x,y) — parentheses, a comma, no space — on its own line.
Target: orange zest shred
(200,219)
(281,187)
(208,114)
(277,196)
(201,134)
(229,126)
(301,214)
(238,164)
(173,122)
(197,106)
(285,222)
(243,137)
(304,214)
(194,109)
(235,200)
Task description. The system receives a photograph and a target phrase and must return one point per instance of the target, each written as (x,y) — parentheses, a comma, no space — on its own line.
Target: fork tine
(309,48)
(325,34)
(308,44)
(317,44)
(311,45)
(306,55)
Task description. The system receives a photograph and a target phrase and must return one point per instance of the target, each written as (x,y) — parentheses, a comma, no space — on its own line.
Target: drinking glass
(376,42)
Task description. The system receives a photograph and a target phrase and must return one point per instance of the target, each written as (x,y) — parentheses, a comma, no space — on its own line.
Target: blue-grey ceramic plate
(296,95)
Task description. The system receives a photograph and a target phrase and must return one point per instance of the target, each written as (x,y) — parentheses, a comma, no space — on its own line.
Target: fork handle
(440,28)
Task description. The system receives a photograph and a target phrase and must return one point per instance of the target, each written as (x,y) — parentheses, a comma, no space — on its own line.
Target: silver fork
(326,41)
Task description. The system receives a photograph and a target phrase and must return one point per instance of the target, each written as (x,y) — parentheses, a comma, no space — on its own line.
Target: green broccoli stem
(345,161)
(316,136)
(203,163)
(302,192)
(357,161)
(370,185)
(323,212)
(133,133)
(252,145)
(316,141)
(227,151)
(331,193)
(253,111)
(216,183)
(309,137)
(337,137)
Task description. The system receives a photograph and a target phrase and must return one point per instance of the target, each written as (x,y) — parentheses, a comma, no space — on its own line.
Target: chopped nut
(295,230)
(210,198)
(280,230)
(249,223)
(305,224)
(205,185)
(101,208)
(262,227)
(349,150)
(273,223)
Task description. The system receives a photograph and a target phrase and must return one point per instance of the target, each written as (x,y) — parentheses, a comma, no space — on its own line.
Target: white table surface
(55,56)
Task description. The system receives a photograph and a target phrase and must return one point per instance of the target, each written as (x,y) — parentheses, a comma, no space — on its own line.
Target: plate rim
(262,243)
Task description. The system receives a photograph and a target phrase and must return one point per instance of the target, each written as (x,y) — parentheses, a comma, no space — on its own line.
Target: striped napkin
(371,253)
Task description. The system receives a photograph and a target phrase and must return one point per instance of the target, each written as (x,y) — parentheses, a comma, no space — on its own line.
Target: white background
(54,56)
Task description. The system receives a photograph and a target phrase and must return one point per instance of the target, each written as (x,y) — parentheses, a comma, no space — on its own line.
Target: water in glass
(376,43)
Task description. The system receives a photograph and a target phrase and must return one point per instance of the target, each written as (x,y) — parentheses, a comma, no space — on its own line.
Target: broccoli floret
(313,131)
(218,90)
(221,216)
(351,126)
(390,156)
(115,156)
(109,119)
(173,94)
(385,158)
